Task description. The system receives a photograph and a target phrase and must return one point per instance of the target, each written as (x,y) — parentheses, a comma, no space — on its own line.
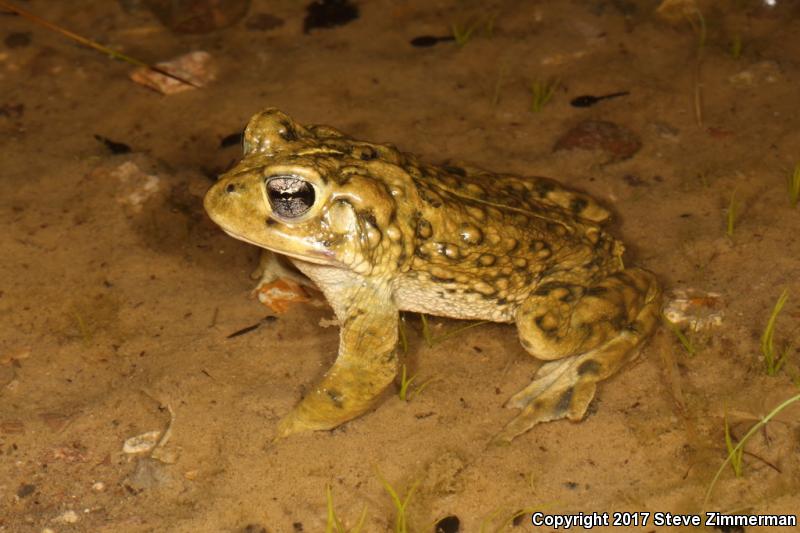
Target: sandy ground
(117,294)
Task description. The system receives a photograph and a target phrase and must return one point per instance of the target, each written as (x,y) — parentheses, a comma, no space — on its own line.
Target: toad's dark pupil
(289,196)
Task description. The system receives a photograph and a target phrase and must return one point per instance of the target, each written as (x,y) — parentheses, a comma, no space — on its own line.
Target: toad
(379,232)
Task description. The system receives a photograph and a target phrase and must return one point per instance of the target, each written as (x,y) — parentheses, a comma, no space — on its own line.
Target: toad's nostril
(231,187)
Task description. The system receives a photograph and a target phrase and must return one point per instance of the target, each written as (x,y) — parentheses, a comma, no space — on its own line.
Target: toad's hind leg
(587,334)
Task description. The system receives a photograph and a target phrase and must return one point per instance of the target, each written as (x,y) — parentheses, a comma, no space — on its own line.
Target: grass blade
(773,362)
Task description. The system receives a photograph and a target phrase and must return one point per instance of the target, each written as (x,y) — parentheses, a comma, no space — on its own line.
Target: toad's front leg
(367,360)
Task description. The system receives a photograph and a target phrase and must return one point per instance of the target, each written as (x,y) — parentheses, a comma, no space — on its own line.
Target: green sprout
(456,331)
(334,525)
(405,393)
(794,186)
(686,342)
(400,504)
(401,331)
(740,445)
(432,341)
(488,25)
(773,360)
(426,330)
(736,46)
(498,85)
(463,34)
(736,454)
(83,328)
(542,92)
(731,214)
(698,24)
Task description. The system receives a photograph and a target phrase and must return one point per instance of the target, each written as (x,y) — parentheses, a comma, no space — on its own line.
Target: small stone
(14,356)
(12,427)
(198,16)
(136,186)
(25,490)
(197,68)
(55,421)
(141,443)
(762,73)
(665,130)
(99,486)
(695,308)
(254,528)
(67,517)
(617,142)
(18,39)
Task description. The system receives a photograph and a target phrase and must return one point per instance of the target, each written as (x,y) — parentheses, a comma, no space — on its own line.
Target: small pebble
(99,486)
(617,142)
(18,39)
(68,517)
(25,490)
(141,443)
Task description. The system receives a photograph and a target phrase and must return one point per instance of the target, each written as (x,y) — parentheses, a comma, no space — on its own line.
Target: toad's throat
(320,257)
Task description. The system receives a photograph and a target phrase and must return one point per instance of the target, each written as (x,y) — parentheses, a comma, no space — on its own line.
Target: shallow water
(118,294)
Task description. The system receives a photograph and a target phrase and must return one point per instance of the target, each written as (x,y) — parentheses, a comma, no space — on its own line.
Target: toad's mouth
(320,257)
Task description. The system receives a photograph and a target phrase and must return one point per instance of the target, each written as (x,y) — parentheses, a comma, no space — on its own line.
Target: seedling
(773,360)
(405,393)
(488,25)
(736,46)
(456,331)
(83,328)
(334,525)
(743,441)
(687,10)
(498,85)
(698,23)
(734,453)
(432,341)
(401,332)
(400,505)
(463,34)
(731,214)
(542,92)
(684,339)
(794,186)
(426,330)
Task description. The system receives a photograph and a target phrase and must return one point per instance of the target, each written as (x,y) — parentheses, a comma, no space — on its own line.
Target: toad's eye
(289,196)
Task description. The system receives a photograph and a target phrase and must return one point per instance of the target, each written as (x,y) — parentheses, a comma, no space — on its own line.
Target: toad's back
(483,241)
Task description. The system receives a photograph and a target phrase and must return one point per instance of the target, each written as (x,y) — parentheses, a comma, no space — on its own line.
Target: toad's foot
(603,328)
(365,366)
